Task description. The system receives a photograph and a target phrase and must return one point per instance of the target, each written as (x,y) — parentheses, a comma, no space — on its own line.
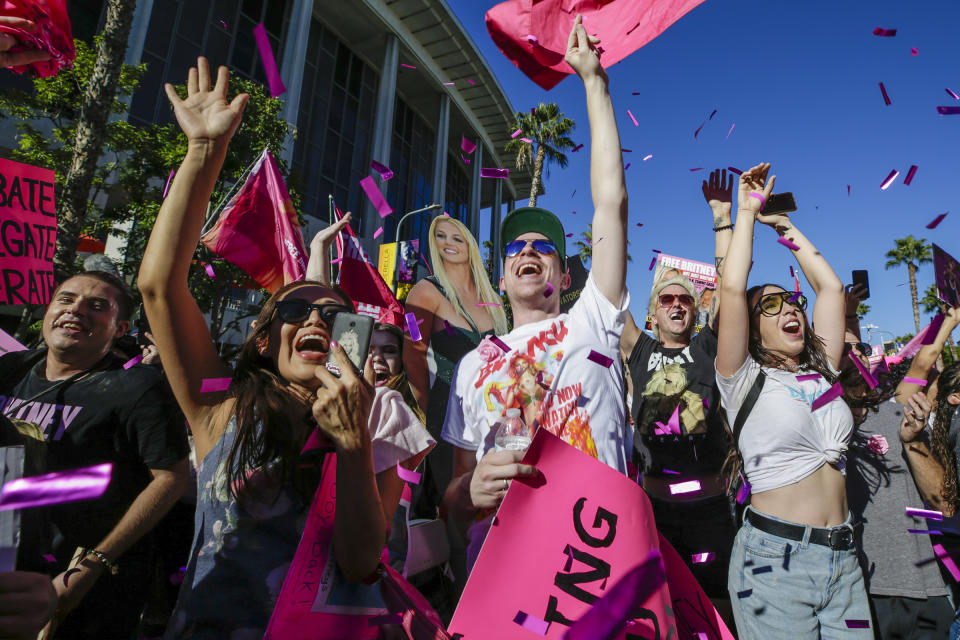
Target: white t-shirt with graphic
(548,375)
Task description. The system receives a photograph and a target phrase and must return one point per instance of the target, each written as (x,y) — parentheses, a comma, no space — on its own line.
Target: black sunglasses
(864,348)
(772,303)
(297,310)
(543,247)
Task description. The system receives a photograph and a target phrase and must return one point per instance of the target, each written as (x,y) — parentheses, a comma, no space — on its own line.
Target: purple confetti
(788,243)
(796,296)
(947,561)
(385,172)
(735,170)
(600,359)
(808,376)
(671,472)
(744,490)
(491,172)
(213,385)
(932,532)
(880,31)
(626,167)
(500,343)
(86,483)
(532,623)
(948,111)
(166,187)
(827,396)
(858,624)
(953,94)
(936,221)
(549,290)
(412,326)
(929,514)
(886,98)
(132,361)
(912,172)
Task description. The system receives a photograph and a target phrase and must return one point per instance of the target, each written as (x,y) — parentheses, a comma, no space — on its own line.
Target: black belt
(837,538)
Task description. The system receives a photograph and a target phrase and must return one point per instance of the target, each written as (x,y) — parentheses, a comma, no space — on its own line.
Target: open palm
(206,115)
(718,191)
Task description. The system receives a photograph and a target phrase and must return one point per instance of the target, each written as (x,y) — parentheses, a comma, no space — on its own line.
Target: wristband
(763,201)
(99,556)
(723,226)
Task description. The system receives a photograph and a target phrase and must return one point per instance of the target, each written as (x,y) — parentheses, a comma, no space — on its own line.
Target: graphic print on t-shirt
(523,379)
(50,418)
(666,390)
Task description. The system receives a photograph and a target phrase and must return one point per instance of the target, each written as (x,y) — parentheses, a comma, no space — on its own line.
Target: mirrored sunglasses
(543,247)
(772,303)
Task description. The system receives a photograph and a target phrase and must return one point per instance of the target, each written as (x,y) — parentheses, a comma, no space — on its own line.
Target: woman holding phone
(256,478)
(793,570)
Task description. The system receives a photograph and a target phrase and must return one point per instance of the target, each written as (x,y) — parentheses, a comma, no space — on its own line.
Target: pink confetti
(808,376)
(735,171)
(213,385)
(407,66)
(577,148)
(864,372)
(932,532)
(269,62)
(209,269)
(412,326)
(465,159)
(133,361)
(696,169)
(500,343)
(449,328)
(731,130)
(385,172)
(527,140)
(626,167)
(549,290)
(690,486)
(948,111)
(883,90)
(378,232)
(635,123)
(492,172)
(671,472)
(531,623)
(889,180)
(166,187)
(936,221)
(647,157)
(600,359)
(406,474)
(953,94)
(470,80)
(700,558)
(879,31)
(697,132)
(917,381)
(912,172)
(914,51)
(516,133)
(466,145)
(224,24)
(447,84)
(947,561)
(787,243)
(86,483)
(744,491)
(569,235)
(848,190)
(376,197)
(827,396)
(49,558)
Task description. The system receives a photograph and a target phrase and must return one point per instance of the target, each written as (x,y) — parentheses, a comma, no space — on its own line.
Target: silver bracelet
(99,556)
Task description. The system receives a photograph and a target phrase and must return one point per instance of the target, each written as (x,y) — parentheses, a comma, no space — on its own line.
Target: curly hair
(940,440)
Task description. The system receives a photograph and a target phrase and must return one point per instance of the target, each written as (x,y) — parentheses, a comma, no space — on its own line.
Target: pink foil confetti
(914,51)
(274,81)
(924,513)
(467,146)
(953,94)
(787,243)
(214,385)
(827,396)
(600,359)
(385,172)
(700,558)
(947,561)
(532,623)
(527,140)
(912,172)
(647,157)
(634,120)
(133,361)
(407,475)
(864,372)
(808,376)
(166,187)
(375,196)
(412,326)
(548,291)
(516,133)
(690,486)
(734,170)
(86,483)
(880,31)
(917,381)
(500,343)
(378,232)
(210,272)
(491,172)
(948,111)
(407,66)
(883,90)
(936,221)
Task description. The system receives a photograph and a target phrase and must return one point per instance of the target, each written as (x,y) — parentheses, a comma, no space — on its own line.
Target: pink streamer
(788,244)
(86,483)
(947,561)
(213,385)
(917,381)
(376,197)
(827,396)
(133,361)
(867,376)
(385,172)
(731,130)
(406,474)
(466,146)
(912,172)
(635,123)
(412,326)
(490,172)
(274,81)
(166,187)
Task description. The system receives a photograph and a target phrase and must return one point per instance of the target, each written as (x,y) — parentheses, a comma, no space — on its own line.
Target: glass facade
(411,158)
(457,200)
(221,30)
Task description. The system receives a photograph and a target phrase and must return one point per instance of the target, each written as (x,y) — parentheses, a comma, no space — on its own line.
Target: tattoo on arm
(718,262)
(717,221)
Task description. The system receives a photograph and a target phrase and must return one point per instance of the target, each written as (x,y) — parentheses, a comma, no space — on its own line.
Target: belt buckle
(841,538)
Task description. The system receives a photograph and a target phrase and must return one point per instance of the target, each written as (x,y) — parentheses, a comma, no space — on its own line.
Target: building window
(458,189)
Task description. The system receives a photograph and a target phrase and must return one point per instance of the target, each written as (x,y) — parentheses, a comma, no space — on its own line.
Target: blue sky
(800,81)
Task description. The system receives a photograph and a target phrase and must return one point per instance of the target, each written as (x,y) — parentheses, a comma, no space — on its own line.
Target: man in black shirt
(89,410)
(679,435)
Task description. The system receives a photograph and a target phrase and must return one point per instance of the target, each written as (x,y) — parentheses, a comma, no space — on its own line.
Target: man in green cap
(561,371)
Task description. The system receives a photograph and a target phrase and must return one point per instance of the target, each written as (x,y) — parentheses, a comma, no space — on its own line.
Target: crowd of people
(766,402)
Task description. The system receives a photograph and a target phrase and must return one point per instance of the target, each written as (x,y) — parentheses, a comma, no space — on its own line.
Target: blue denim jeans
(790,589)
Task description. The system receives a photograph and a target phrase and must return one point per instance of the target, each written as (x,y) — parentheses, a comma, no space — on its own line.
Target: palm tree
(932,303)
(862,309)
(911,252)
(585,245)
(547,130)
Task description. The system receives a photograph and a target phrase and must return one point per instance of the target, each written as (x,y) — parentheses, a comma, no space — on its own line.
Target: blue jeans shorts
(781,588)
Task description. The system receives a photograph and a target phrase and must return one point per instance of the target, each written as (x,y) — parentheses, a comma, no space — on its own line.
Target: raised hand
(853,295)
(582,52)
(754,181)
(325,237)
(342,407)
(206,116)
(8,42)
(915,416)
(718,192)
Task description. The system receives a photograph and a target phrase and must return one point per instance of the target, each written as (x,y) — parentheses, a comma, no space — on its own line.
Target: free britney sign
(28,233)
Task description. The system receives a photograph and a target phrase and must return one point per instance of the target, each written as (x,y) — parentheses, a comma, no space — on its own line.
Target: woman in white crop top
(793,570)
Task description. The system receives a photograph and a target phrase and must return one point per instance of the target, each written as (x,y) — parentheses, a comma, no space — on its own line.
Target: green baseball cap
(526,219)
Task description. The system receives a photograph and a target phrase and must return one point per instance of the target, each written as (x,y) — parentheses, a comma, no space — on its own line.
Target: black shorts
(699,527)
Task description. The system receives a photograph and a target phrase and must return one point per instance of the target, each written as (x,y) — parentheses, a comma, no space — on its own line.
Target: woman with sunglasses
(259,468)
(793,570)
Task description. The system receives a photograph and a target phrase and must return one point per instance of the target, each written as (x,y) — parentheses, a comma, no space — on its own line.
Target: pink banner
(28,233)
(556,542)
(258,229)
(52,34)
(8,343)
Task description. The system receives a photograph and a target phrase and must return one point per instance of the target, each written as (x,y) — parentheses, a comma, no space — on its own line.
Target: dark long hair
(265,438)
(940,445)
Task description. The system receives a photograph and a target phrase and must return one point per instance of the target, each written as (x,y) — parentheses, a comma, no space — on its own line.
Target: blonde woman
(456,307)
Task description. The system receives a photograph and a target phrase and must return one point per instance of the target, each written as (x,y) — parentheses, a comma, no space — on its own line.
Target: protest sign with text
(28,233)
(947,271)
(556,543)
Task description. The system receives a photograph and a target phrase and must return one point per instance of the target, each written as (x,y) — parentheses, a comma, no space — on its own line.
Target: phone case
(352,331)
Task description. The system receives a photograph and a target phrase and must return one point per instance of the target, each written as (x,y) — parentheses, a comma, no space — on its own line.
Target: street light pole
(396,241)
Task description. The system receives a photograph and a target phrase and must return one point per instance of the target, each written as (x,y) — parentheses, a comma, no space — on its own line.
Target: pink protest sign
(28,233)
(558,538)
(947,271)
(8,343)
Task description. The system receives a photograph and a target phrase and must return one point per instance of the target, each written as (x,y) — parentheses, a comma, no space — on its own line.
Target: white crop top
(782,441)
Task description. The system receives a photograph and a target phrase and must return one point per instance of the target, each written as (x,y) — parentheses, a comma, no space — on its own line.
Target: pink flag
(52,34)
(258,229)
(361,280)
(623,25)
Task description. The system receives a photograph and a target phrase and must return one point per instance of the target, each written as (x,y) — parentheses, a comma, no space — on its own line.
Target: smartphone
(352,331)
(779,203)
(143,326)
(860,277)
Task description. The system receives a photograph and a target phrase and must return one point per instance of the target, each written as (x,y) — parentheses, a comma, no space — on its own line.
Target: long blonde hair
(484,290)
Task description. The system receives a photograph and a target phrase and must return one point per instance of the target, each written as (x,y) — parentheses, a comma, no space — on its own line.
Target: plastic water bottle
(512,433)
